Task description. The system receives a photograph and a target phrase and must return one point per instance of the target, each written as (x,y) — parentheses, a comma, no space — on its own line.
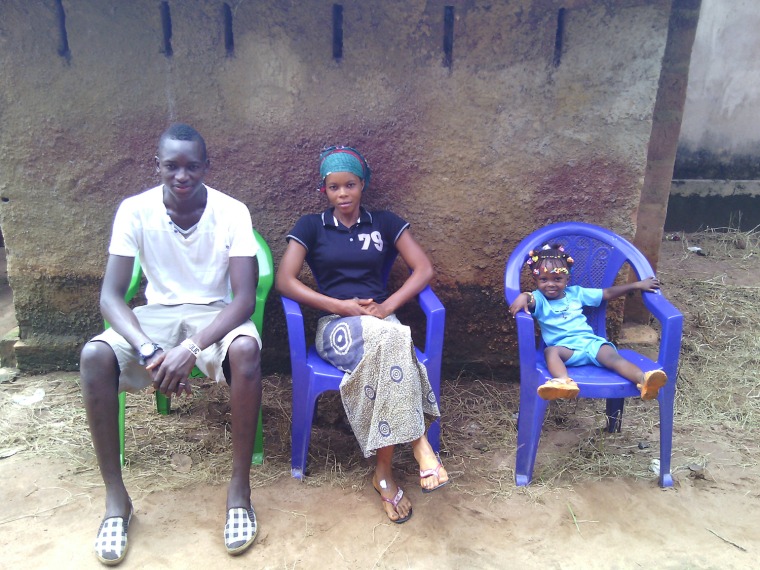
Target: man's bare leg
(245,372)
(241,526)
(99,377)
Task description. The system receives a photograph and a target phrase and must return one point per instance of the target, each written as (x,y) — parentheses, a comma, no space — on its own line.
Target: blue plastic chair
(599,255)
(312,376)
(163,403)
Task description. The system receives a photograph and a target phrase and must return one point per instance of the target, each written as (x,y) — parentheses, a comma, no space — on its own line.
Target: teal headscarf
(343,159)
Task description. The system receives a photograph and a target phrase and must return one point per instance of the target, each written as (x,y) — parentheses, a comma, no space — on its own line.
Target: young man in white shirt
(197,250)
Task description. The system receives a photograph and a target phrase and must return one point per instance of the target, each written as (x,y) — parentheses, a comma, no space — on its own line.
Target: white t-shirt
(193,269)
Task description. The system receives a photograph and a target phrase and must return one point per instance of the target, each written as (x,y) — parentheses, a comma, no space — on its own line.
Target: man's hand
(171,370)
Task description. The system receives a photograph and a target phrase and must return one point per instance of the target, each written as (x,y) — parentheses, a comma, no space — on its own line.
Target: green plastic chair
(163,403)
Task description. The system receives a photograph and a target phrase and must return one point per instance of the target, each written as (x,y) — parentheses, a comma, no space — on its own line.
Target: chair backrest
(266,280)
(599,255)
(264,285)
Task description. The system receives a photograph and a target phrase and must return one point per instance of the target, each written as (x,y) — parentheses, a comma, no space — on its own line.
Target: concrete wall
(720,136)
(521,130)
(699,204)
(717,168)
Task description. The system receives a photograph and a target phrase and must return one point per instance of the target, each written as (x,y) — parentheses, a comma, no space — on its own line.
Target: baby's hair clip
(532,257)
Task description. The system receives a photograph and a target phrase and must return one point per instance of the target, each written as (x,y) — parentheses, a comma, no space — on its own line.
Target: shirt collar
(328,218)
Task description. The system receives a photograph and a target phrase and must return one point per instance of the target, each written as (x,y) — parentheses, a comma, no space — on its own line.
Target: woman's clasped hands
(362,307)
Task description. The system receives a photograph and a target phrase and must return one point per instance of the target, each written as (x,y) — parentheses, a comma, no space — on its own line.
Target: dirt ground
(594,502)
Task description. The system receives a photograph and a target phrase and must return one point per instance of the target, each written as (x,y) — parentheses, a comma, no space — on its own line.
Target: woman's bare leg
(386,486)
(428,460)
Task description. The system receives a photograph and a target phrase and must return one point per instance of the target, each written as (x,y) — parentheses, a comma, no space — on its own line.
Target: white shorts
(168,326)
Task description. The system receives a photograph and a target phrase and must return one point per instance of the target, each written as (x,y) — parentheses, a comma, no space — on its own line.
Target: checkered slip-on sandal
(240,530)
(111,543)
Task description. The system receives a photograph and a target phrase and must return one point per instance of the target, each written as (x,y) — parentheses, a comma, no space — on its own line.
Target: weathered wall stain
(475,156)
(593,190)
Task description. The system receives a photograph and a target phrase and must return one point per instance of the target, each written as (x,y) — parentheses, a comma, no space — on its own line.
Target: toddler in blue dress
(569,339)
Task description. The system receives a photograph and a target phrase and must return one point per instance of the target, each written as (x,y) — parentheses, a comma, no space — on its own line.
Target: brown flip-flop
(653,381)
(557,389)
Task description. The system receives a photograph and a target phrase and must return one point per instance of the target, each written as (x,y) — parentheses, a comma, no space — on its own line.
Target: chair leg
(122,412)
(529,424)
(665,401)
(434,431)
(258,444)
(434,435)
(304,404)
(163,404)
(615,414)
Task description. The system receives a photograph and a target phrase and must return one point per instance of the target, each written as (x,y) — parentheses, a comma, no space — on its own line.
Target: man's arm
(649,284)
(112,304)
(244,278)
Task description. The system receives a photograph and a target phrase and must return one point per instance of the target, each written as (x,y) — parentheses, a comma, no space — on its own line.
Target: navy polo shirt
(348,262)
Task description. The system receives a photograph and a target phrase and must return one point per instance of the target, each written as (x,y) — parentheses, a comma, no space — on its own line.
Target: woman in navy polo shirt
(385,391)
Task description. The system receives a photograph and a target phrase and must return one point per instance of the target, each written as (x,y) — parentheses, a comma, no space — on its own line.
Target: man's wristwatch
(147,349)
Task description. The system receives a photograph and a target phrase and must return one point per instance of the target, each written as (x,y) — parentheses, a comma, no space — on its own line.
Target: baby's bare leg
(648,383)
(609,358)
(561,386)
(555,360)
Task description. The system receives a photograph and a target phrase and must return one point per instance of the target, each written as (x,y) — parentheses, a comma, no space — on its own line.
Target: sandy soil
(593,515)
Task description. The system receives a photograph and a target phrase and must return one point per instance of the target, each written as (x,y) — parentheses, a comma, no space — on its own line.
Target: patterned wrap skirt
(385,390)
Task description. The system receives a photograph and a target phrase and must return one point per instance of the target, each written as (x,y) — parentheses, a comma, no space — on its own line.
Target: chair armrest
(435,313)
(671,322)
(296,333)
(526,341)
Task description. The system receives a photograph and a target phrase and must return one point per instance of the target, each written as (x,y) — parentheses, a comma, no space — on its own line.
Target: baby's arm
(524,302)
(649,284)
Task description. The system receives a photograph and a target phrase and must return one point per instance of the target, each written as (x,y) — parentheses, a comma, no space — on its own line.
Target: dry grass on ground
(718,388)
